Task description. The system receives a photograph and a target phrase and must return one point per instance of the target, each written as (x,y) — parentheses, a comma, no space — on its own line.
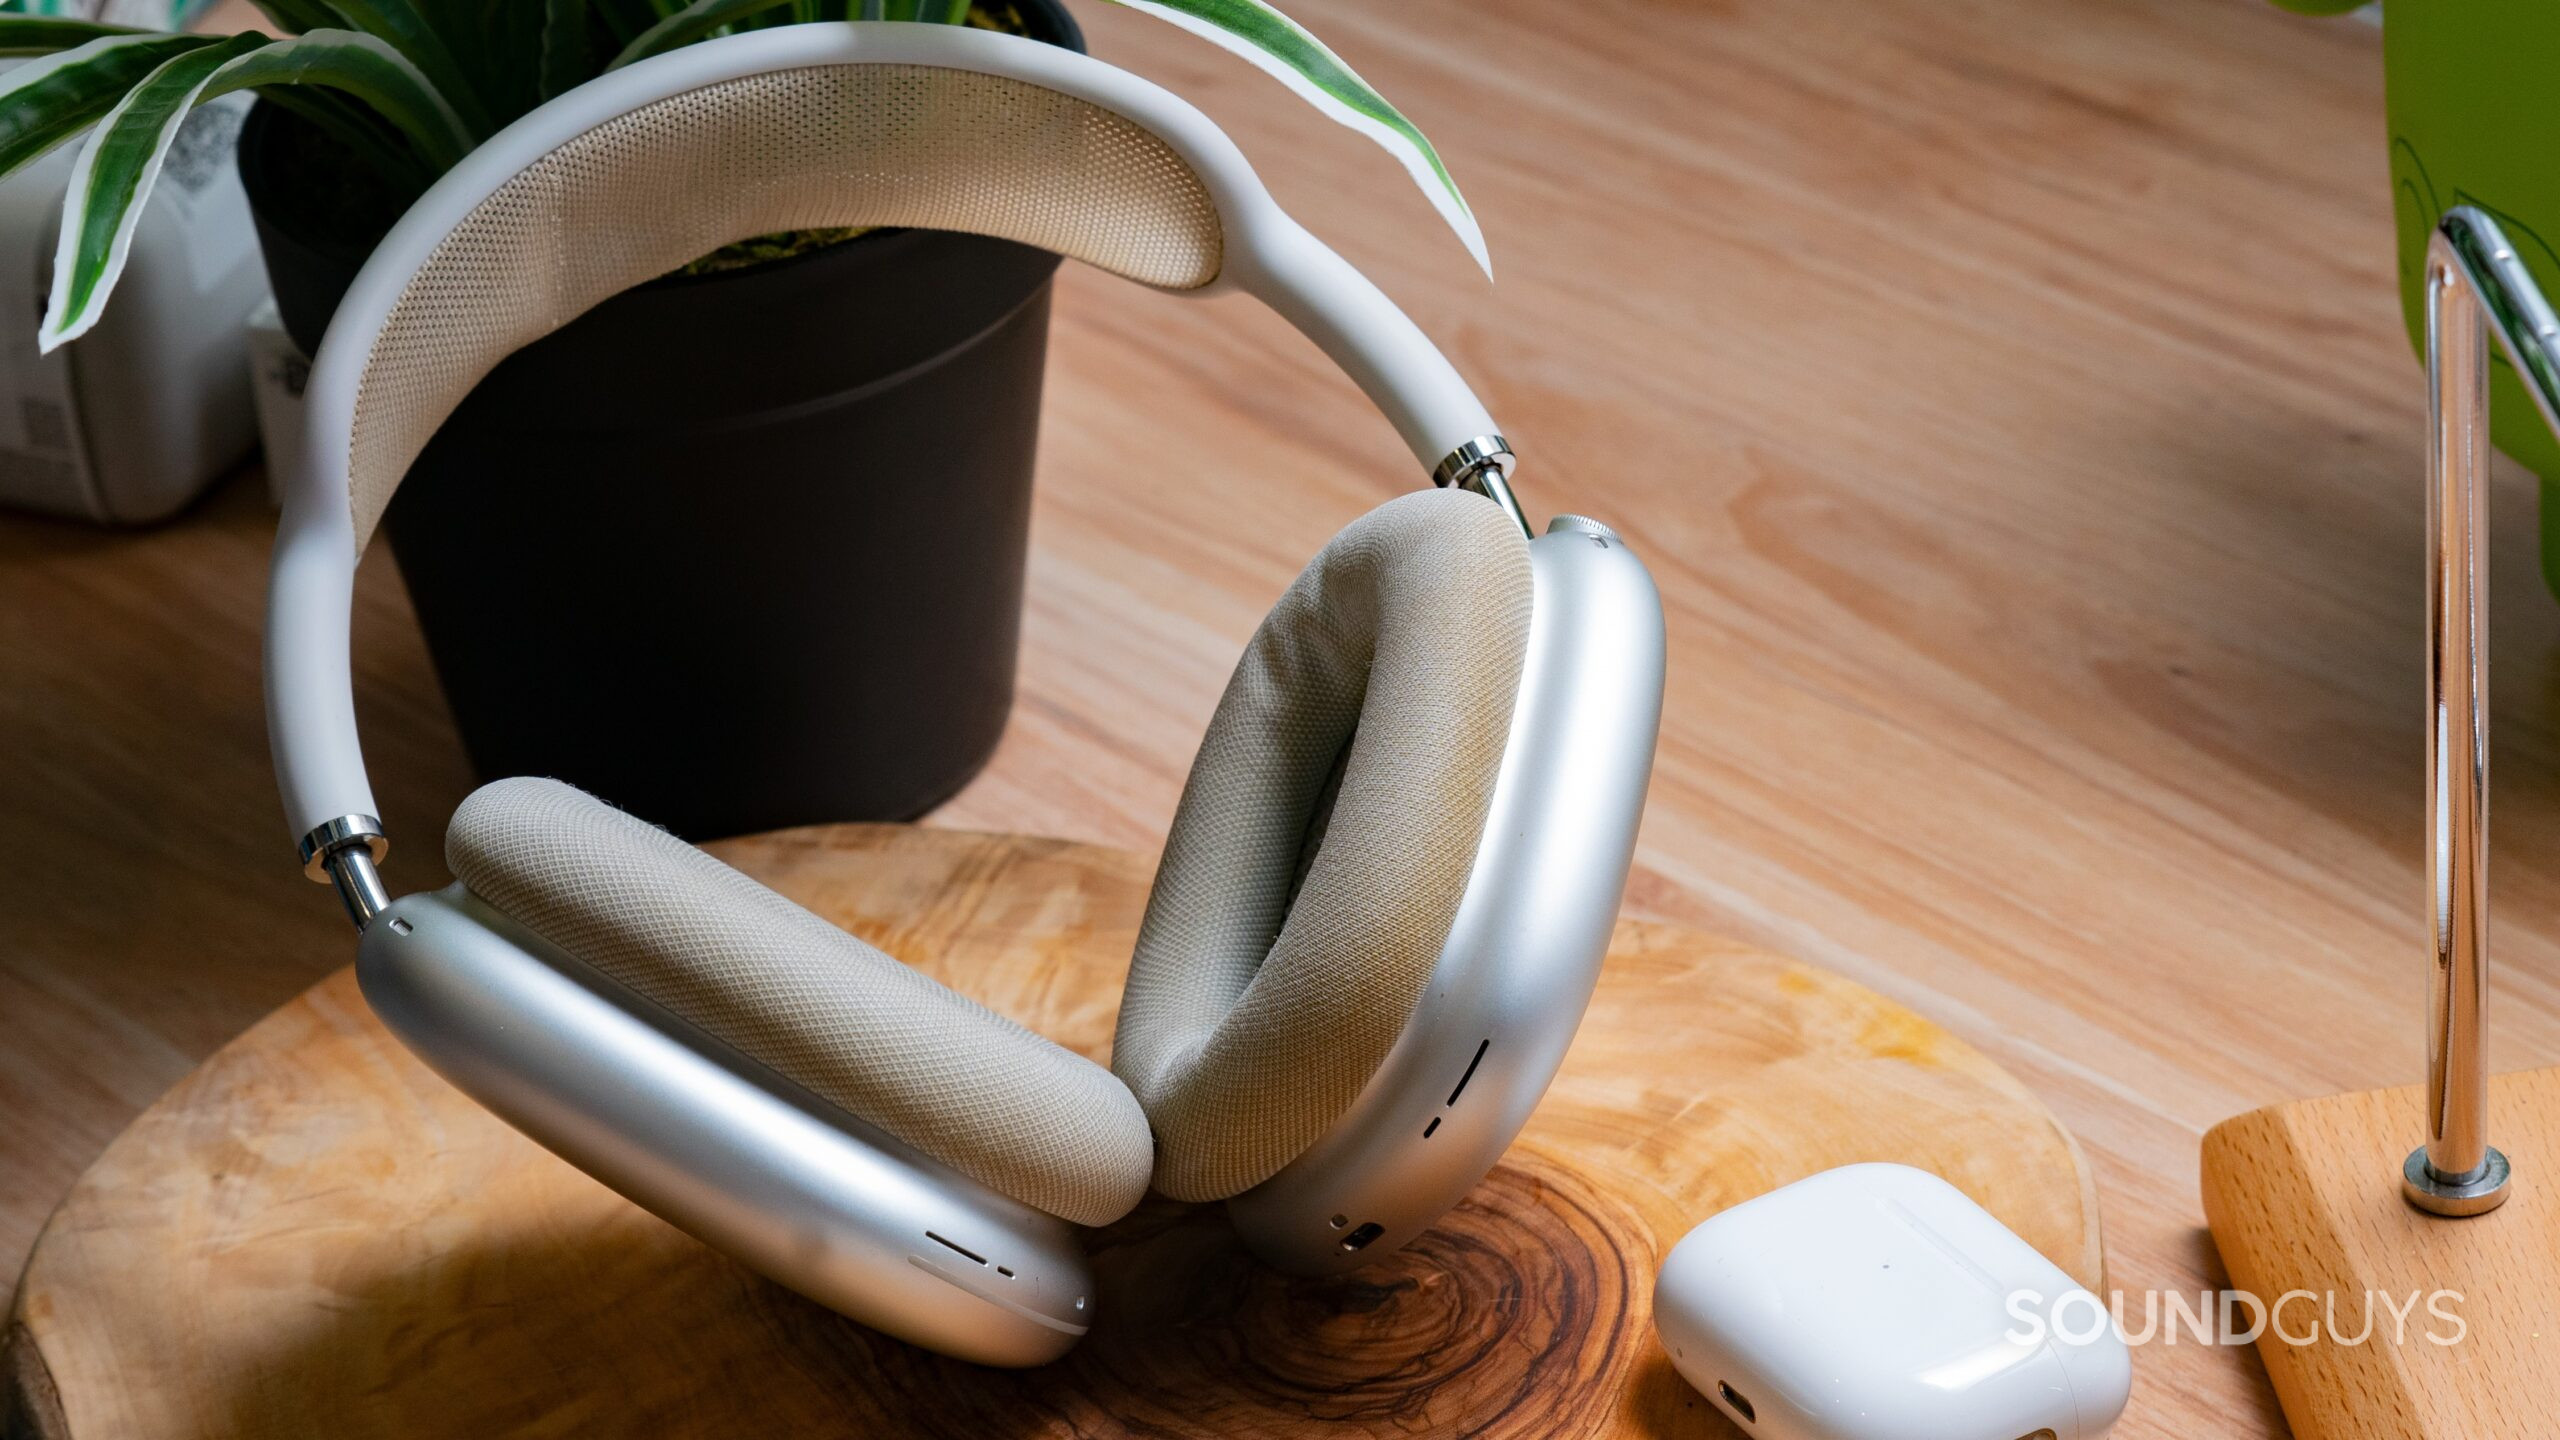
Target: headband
(797,126)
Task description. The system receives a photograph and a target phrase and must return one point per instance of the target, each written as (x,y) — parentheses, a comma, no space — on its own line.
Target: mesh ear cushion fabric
(839,1018)
(1253,1017)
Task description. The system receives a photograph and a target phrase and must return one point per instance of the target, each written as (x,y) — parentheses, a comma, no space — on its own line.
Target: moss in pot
(739,548)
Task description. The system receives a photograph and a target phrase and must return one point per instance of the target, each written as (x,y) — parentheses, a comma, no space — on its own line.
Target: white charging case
(1877,1302)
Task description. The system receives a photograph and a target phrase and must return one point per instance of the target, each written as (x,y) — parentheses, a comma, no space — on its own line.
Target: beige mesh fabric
(1253,1018)
(837,1017)
(868,144)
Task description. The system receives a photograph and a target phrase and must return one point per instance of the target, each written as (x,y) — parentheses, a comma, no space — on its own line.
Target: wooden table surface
(2010,398)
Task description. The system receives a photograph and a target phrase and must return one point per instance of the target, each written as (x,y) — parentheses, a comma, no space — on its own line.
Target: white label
(42,461)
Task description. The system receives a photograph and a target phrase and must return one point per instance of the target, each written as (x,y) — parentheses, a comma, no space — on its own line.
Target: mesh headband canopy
(788,127)
(820,145)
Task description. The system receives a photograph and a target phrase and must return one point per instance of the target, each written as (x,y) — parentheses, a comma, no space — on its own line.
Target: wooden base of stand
(313,1235)
(2306,1197)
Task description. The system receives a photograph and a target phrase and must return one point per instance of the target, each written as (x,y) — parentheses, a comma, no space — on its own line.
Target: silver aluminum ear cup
(1323,840)
(698,1135)
(1525,950)
(875,1038)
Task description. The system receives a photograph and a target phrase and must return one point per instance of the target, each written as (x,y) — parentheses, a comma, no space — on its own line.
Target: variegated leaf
(1283,49)
(117,169)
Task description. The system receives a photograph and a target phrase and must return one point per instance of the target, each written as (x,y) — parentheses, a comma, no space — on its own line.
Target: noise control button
(1584,525)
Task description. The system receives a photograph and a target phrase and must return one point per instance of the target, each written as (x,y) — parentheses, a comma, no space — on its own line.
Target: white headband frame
(319,761)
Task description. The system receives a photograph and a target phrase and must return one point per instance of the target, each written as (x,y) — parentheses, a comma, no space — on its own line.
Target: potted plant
(740,548)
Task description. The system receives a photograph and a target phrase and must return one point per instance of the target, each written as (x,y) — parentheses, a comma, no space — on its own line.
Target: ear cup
(854,1027)
(1288,939)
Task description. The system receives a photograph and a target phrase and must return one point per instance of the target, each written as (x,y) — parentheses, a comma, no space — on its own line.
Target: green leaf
(47,101)
(566,61)
(687,25)
(115,171)
(500,44)
(42,35)
(400,23)
(1283,49)
(295,16)
(119,166)
(365,67)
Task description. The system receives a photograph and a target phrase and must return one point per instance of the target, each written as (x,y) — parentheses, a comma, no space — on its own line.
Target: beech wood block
(312,1234)
(2306,1196)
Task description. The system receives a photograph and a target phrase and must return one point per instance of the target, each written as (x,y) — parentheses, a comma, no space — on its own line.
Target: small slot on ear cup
(834,1016)
(1325,839)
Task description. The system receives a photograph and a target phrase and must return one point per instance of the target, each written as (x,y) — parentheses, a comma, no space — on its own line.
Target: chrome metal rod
(1484,466)
(2457,729)
(359,885)
(2475,287)
(345,852)
(1490,482)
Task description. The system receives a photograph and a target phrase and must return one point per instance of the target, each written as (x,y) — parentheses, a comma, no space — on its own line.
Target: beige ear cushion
(844,1021)
(1269,982)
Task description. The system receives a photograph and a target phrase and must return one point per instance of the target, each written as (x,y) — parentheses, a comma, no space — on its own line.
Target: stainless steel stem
(358,883)
(2473,276)
(345,852)
(1491,483)
(1484,466)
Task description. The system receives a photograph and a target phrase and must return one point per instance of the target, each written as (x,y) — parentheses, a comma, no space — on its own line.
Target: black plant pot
(733,551)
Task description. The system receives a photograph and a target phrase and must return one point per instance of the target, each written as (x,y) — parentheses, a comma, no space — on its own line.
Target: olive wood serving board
(312,1234)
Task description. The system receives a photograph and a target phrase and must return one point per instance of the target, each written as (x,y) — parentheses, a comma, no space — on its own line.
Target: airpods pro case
(1877,1302)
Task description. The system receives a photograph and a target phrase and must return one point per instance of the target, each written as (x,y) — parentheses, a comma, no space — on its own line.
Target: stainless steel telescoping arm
(2475,287)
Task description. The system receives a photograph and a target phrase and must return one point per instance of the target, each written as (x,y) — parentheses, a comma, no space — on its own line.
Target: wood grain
(314,1235)
(2010,397)
(2305,1197)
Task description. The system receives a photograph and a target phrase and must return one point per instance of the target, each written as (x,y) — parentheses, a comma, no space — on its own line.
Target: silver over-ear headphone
(1386,893)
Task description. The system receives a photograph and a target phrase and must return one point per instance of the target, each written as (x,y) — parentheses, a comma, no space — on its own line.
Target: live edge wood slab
(313,1235)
